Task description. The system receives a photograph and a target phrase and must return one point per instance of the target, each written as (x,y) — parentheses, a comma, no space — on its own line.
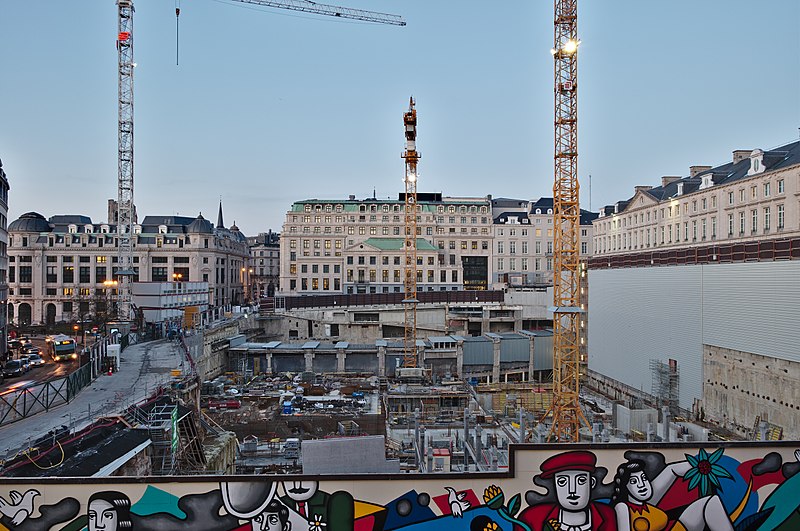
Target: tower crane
(125,66)
(411,156)
(565,408)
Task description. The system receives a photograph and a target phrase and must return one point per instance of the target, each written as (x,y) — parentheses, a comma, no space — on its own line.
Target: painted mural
(677,488)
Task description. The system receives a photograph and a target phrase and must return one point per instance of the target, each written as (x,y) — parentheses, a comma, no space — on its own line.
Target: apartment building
(264,264)
(356,246)
(62,268)
(523,241)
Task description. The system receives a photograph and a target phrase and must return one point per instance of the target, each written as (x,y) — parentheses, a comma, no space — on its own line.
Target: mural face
(678,488)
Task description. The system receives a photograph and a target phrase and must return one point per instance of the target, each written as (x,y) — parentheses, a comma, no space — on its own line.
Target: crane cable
(177,29)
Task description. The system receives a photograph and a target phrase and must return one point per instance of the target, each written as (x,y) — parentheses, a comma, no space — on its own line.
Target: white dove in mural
(21,505)
(457,502)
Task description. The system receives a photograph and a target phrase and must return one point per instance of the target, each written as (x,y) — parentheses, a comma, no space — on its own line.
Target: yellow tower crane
(410,241)
(565,408)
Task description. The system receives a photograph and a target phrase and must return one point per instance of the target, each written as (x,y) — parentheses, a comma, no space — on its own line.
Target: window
(767,218)
(25,274)
(454,275)
(730,224)
(84,275)
(714,227)
(51,274)
(512,247)
(780,186)
(754,220)
(730,197)
(499,247)
(741,222)
(159,274)
(67,273)
(500,264)
(766,189)
(780,216)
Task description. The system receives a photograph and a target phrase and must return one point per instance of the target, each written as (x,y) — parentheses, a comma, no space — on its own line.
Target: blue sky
(267,107)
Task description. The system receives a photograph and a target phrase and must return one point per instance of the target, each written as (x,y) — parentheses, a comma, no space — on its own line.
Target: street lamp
(110,286)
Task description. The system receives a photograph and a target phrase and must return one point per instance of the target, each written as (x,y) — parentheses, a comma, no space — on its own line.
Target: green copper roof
(396,244)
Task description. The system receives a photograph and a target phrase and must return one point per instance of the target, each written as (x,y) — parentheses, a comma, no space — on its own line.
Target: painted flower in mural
(317,524)
(705,472)
(491,526)
(493,497)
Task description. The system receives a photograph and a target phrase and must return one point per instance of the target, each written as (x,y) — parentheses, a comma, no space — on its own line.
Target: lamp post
(110,286)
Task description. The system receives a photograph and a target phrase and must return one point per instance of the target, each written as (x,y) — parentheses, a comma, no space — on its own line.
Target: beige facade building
(755,196)
(356,246)
(60,269)
(523,241)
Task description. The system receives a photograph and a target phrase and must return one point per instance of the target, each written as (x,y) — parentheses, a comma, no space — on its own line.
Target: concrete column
(340,357)
(269,362)
(531,365)
(381,362)
(309,355)
(496,360)
(460,359)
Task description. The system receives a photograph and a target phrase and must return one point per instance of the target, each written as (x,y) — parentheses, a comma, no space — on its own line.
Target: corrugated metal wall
(639,314)
(514,348)
(669,312)
(478,352)
(753,307)
(543,353)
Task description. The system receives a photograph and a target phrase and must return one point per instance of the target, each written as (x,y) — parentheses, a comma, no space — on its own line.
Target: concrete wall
(740,387)
(412,502)
(350,455)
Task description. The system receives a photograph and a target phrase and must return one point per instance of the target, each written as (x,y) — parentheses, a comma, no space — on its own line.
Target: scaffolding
(162,427)
(666,380)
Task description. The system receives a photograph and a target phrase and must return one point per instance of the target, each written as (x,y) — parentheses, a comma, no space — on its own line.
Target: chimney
(352,197)
(741,154)
(667,179)
(694,170)
(637,189)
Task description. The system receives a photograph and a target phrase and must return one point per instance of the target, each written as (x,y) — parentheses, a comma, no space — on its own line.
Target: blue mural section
(636,489)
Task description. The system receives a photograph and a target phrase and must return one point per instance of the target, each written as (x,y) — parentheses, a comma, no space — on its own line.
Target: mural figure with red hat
(573,479)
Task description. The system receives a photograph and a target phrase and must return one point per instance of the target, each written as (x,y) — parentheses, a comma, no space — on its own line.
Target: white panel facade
(637,314)
(640,314)
(753,307)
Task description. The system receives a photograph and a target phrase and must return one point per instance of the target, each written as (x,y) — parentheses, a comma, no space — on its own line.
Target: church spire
(220,225)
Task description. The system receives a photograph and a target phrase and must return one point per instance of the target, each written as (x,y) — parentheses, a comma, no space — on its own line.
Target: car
(26,363)
(36,360)
(31,349)
(13,368)
(14,344)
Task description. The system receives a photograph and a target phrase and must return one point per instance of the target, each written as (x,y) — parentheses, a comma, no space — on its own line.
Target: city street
(143,368)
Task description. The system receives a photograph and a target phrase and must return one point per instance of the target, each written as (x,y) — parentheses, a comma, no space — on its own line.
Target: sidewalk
(143,368)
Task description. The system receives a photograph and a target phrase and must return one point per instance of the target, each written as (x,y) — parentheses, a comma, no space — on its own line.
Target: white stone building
(356,246)
(58,267)
(3,261)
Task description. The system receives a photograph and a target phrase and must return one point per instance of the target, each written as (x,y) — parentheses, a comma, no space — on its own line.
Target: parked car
(14,344)
(13,368)
(26,363)
(36,360)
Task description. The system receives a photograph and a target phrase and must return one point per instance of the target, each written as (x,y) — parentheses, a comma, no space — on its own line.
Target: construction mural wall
(553,488)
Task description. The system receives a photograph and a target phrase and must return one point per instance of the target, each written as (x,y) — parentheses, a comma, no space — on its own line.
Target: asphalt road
(50,370)
(143,368)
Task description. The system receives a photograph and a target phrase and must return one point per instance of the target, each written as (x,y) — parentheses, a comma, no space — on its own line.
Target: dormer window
(104,229)
(88,229)
(72,229)
(538,210)
(756,162)
(708,182)
(162,229)
(680,189)
(549,210)
(137,229)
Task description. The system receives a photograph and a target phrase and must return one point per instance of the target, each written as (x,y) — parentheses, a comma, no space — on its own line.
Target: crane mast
(411,157)
(125,65)
(566,408)
(125,208)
